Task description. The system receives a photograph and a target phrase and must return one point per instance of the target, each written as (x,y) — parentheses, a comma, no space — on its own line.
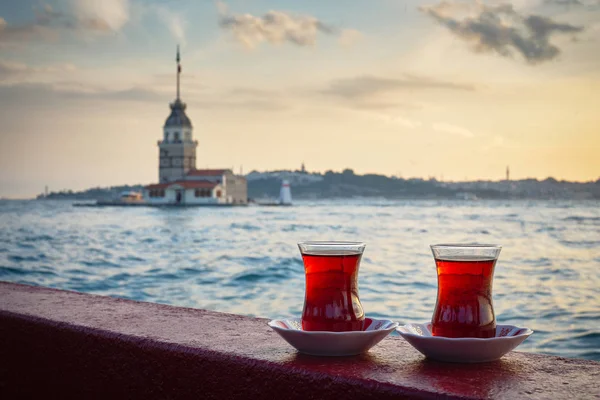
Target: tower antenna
(178,59)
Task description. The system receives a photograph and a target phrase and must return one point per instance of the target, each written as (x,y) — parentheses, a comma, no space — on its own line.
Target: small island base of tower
(166,205)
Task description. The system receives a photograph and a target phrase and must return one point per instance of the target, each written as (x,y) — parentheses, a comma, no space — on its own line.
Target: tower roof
(178,116)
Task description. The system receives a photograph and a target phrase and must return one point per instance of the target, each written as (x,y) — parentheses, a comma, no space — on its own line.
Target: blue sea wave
(581,218)
(246,261)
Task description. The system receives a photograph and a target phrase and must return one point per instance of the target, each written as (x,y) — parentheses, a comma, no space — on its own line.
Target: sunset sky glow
(457,90)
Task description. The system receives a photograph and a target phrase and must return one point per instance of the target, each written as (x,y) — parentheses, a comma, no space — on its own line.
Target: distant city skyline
(453,89)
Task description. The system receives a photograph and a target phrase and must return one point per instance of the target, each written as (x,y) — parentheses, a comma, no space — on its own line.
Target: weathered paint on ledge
(60,344)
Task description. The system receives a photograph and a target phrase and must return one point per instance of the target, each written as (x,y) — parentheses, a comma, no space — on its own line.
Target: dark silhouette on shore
(347,184)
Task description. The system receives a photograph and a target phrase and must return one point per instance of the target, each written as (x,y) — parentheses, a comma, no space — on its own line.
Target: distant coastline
(347,184)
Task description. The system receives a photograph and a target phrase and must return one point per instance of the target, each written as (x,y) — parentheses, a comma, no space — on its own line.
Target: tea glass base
(332,344)
(463,350)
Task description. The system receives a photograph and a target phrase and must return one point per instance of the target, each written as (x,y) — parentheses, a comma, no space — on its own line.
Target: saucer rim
(528,332)
(394,325)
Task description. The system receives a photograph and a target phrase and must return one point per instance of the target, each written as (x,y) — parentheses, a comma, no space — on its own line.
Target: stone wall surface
(61,344)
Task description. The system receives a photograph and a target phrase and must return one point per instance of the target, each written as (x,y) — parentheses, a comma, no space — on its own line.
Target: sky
(456,90)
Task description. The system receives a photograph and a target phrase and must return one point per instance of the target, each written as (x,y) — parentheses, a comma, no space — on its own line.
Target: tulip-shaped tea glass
(331,301)
(464,305)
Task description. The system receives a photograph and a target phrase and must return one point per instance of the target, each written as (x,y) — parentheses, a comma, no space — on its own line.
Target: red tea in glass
(464,306)
(331,301)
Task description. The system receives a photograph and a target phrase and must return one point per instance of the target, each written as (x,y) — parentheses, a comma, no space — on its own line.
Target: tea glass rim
(331,243)
(465,245)
(326,246)
(472,251)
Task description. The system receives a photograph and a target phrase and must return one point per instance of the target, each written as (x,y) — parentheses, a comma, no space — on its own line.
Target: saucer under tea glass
(331,301)
(464,306)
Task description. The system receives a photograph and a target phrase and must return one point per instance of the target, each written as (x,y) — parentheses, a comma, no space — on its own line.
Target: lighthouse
(285,194)
(180,183)
(177,149)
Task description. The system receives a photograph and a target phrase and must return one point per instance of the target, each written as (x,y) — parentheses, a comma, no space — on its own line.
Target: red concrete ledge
(60,344)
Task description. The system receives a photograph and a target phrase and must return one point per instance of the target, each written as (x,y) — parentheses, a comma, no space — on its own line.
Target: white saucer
(463,350)
(322,343)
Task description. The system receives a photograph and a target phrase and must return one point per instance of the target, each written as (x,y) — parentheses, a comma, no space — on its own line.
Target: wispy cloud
(501,29)
(367,92)
(588,5)
(574,3)
(56,93)
(564,2)
(38,92)
(278,27)
(174,21)
(11,71)
(367,85)
(86,16)
(452,129)
(105,14)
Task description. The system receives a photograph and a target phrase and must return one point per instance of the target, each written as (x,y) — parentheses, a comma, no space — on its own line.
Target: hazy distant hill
(347,184)
(343,185)
(97,193)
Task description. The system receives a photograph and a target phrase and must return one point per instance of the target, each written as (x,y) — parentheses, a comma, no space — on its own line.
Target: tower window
(176,137)
(166,136)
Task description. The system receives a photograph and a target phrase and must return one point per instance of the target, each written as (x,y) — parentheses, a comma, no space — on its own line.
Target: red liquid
(331,301)
(464,303)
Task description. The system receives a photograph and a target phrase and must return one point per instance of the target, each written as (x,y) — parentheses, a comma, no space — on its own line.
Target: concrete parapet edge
(61,344)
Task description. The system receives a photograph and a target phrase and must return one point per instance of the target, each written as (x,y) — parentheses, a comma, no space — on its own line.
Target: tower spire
(178,70)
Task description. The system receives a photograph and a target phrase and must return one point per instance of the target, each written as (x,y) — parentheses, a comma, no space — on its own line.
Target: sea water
(245,260)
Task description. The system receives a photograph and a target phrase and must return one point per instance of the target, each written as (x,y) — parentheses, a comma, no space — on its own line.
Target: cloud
(589,4)
(251,92)
(501,29)
(367,86)
(564,2)
(174,22)
(46,93)
(240,104)
(11,71)
(371,93)
(102,15)
(40,94)
(453,129)
(13,35)
(275,27)
(248,98)
(88,16)
(349,37)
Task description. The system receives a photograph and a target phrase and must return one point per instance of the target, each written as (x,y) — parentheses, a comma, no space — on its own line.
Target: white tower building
(285,194)
(177,149)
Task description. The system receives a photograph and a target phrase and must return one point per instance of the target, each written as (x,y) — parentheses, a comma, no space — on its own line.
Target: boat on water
(131,197)
(128,198)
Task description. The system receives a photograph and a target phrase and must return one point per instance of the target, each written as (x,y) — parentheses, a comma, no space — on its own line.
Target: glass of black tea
(464,306)
(331,301)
